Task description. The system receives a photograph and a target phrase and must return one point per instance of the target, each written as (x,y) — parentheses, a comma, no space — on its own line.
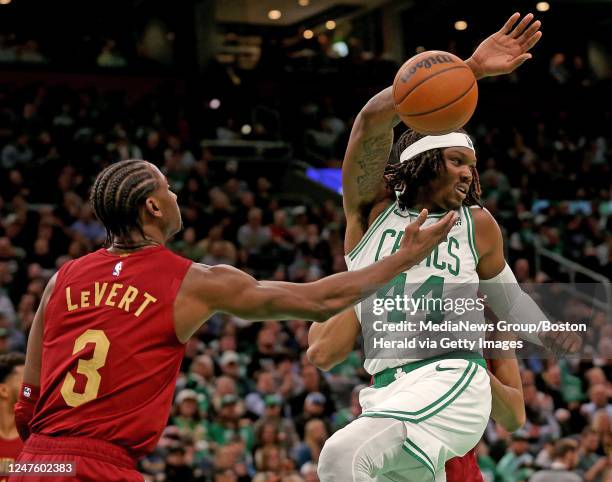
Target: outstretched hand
(561,343)
(507,49)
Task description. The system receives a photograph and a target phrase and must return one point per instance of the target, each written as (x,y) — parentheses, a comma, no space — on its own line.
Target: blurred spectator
(309,450)
(598,396)
(516,465)
(109,56)
(88,227)
(590,464)
(253,236)
(564,461)
(272,416)
(11,378)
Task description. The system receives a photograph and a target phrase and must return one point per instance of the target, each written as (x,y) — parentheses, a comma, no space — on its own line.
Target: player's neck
(151,239)
(8,430)
(424,200)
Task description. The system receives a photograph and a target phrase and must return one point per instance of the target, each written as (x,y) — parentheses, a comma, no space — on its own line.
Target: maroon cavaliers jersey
(9,451)
(110,353)
(463,469)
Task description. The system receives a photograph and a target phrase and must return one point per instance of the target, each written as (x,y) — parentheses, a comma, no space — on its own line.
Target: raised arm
(207,290)
(371,137)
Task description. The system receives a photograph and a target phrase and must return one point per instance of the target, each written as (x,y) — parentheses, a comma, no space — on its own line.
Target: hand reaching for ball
(505,50)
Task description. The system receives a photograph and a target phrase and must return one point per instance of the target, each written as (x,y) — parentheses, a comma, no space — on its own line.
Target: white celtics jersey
(451,266)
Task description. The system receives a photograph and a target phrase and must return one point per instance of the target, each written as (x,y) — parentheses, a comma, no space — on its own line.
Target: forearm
(339,291)
(510,303)
(330,343)
(368,151)
(507,407)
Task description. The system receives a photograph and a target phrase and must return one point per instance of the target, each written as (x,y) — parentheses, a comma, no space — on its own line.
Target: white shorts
(445,406)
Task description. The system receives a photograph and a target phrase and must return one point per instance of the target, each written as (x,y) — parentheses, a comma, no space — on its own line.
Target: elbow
(514,421)
(320,358)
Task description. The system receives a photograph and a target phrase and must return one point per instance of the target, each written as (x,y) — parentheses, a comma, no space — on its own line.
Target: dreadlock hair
(408,176)
(116,197)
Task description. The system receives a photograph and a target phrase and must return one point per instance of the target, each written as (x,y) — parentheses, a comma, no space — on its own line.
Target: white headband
(454,139)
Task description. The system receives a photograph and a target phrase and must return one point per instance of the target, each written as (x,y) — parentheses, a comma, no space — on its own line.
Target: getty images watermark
(411,322)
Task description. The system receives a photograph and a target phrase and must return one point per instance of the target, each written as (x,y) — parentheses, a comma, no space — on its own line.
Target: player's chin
(454,202)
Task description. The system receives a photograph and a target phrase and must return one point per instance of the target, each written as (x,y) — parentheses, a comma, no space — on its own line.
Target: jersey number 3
(89,368)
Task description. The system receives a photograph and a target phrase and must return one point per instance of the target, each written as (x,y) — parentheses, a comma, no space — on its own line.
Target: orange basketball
(435,93)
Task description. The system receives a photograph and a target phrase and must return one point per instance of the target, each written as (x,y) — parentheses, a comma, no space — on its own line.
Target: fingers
(530,32)
(534,39)
(443,227)
(449,221)
(510,23)
(576,345)
(518,30)
(413,228)
(518,61)
(422,217)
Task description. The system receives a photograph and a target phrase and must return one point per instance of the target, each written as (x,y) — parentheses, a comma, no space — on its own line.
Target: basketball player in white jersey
(421,412)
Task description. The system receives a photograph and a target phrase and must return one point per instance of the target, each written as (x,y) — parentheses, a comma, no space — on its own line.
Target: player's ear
(4,390)
(153,207)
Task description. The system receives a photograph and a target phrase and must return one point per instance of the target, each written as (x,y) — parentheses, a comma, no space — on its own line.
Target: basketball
(435,92)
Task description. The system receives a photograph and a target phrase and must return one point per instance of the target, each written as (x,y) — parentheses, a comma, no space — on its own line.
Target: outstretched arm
(210,289)
(505,296)
(371,137)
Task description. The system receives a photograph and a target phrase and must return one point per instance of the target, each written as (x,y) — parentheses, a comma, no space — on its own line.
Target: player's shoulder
(204,277)
(484,222)
(358,224)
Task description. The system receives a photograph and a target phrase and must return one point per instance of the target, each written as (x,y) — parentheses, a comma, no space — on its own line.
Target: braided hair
(407,177)
(116,197)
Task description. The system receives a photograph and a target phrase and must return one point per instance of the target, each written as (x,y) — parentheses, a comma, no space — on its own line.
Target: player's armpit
(332,341)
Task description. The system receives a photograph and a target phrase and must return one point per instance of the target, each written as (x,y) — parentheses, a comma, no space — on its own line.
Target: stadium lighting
(303,3)
(542,6)
(274,14)
(5,2)
(330,25)
(308,34)
(246,129)
(460,25)
(214,104)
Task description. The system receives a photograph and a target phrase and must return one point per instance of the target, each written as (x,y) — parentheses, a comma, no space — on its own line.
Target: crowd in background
(248,404)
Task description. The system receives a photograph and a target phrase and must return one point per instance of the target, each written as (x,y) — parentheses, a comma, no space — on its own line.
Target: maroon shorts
(93,461)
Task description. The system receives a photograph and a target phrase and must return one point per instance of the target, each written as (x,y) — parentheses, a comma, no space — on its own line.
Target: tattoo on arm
(373,158)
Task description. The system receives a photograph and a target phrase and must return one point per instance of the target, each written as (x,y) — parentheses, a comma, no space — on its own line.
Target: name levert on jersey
(127,298)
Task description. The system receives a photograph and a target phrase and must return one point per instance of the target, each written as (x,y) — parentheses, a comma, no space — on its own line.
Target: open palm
(506,49)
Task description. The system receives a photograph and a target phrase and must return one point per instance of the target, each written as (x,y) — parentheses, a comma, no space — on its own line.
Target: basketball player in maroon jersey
(11,377)
(108,337)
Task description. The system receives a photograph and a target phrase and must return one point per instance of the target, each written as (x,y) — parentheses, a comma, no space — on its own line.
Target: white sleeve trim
(510,303)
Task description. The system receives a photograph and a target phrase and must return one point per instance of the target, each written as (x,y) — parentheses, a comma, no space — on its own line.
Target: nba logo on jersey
(117,269)
(27,392)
